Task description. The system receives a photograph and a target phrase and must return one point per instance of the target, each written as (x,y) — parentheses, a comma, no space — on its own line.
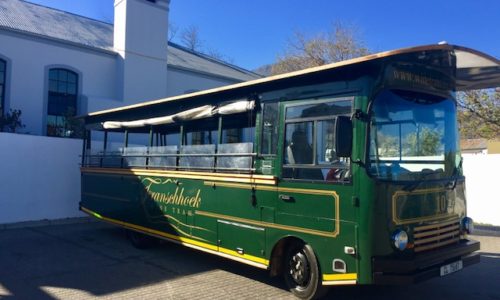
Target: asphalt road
(89,260)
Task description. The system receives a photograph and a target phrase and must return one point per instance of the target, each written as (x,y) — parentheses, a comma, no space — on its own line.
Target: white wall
(28,60)
(39,178)
(180,81)
(483,187)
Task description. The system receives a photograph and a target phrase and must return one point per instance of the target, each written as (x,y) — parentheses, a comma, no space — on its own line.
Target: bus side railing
(149,158)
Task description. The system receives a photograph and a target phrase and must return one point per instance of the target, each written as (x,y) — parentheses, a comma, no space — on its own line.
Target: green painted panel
(242,238)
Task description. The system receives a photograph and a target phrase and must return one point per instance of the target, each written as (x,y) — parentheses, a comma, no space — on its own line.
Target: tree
(426,143)
(214,53)
(172,30)
(190,38)
(341,43)
(479,114)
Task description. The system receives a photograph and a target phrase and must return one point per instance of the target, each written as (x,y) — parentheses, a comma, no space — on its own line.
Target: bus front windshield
(413,136)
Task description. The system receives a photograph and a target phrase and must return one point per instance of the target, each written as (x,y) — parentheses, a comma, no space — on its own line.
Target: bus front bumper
(423,266)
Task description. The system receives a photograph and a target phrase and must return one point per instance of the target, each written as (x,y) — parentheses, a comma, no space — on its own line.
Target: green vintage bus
(343,174)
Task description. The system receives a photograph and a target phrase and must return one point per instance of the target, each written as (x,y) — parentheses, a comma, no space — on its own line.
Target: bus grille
(436,235)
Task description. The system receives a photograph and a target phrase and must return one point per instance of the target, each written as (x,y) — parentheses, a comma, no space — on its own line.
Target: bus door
(315,190)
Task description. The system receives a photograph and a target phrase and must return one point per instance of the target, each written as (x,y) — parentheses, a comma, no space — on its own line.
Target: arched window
(63,91)
(3,75)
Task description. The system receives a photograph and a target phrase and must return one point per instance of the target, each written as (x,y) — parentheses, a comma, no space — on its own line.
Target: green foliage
(388,145)
(340,43)
(11,121)
(74,127)
(479,114)
(425,144)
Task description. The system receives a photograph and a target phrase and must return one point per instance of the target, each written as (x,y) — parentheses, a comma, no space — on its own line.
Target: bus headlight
(400,239)
(467,225)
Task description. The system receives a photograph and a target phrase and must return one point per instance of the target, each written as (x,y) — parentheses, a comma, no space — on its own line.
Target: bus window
(299,139)
(238,128)
(94,148)
(269,129)
(238,135)
(201,133)
(310,139)
(173,139)
(136,151)
(202,137)
(237,142)
(198,149)
(164,150)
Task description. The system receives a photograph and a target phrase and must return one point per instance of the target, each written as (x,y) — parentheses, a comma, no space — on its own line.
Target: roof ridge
(66,12)
(213,59)
(87,32)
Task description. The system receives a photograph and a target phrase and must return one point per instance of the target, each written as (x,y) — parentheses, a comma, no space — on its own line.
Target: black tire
(302,274)
(140,240)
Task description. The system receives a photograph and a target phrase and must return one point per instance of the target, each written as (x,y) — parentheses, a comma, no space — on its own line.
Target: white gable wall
(30,58)
(184,81)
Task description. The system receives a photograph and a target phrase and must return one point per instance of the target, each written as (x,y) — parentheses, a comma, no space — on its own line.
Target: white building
(54,63)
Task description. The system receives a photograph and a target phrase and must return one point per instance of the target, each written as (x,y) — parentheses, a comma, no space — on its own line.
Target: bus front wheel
(301,271)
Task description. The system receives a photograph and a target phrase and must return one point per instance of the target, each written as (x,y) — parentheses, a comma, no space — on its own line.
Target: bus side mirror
(343,136)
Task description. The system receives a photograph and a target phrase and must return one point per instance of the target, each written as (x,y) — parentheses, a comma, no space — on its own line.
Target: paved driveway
(88,260)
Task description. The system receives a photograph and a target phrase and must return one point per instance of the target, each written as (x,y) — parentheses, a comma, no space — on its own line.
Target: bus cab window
(309,142)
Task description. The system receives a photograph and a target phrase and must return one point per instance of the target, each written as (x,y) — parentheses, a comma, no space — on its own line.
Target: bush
(11,121)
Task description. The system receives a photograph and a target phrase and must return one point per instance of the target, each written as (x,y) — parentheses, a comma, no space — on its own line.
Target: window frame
(50,94)
(314,120)
(260,135)
(3,87)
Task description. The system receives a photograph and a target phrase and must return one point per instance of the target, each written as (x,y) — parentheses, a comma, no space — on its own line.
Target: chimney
(141,40)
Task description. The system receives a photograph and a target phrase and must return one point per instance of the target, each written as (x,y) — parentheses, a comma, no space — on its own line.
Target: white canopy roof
(201,112)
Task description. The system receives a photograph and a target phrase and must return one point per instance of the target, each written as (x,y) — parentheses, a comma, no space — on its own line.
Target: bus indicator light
(400,239)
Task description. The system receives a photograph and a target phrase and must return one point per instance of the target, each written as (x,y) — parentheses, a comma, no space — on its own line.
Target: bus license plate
(451,268)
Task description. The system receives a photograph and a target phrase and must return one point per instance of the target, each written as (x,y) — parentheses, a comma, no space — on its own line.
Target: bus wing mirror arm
(343,136)
(359,115)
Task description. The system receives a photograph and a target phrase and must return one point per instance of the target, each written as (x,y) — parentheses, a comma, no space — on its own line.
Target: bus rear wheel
(140,240)
(301,271)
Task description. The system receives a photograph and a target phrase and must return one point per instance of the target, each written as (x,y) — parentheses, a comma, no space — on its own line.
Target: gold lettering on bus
(176,197)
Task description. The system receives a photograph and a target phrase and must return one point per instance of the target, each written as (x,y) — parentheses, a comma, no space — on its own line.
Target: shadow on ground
(94,259)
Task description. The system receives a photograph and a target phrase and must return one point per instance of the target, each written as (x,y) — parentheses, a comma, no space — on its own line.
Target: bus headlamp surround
(400,239)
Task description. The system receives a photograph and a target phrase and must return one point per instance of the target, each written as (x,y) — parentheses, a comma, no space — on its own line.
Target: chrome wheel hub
(299,269)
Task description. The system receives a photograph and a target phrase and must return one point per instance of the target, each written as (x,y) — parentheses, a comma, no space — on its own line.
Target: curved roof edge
(475,70)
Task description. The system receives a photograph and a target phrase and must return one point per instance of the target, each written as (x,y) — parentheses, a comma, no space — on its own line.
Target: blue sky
(254,32)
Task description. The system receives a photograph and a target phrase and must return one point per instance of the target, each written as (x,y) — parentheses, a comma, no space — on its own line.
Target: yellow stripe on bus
(245,258)
(347,276)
